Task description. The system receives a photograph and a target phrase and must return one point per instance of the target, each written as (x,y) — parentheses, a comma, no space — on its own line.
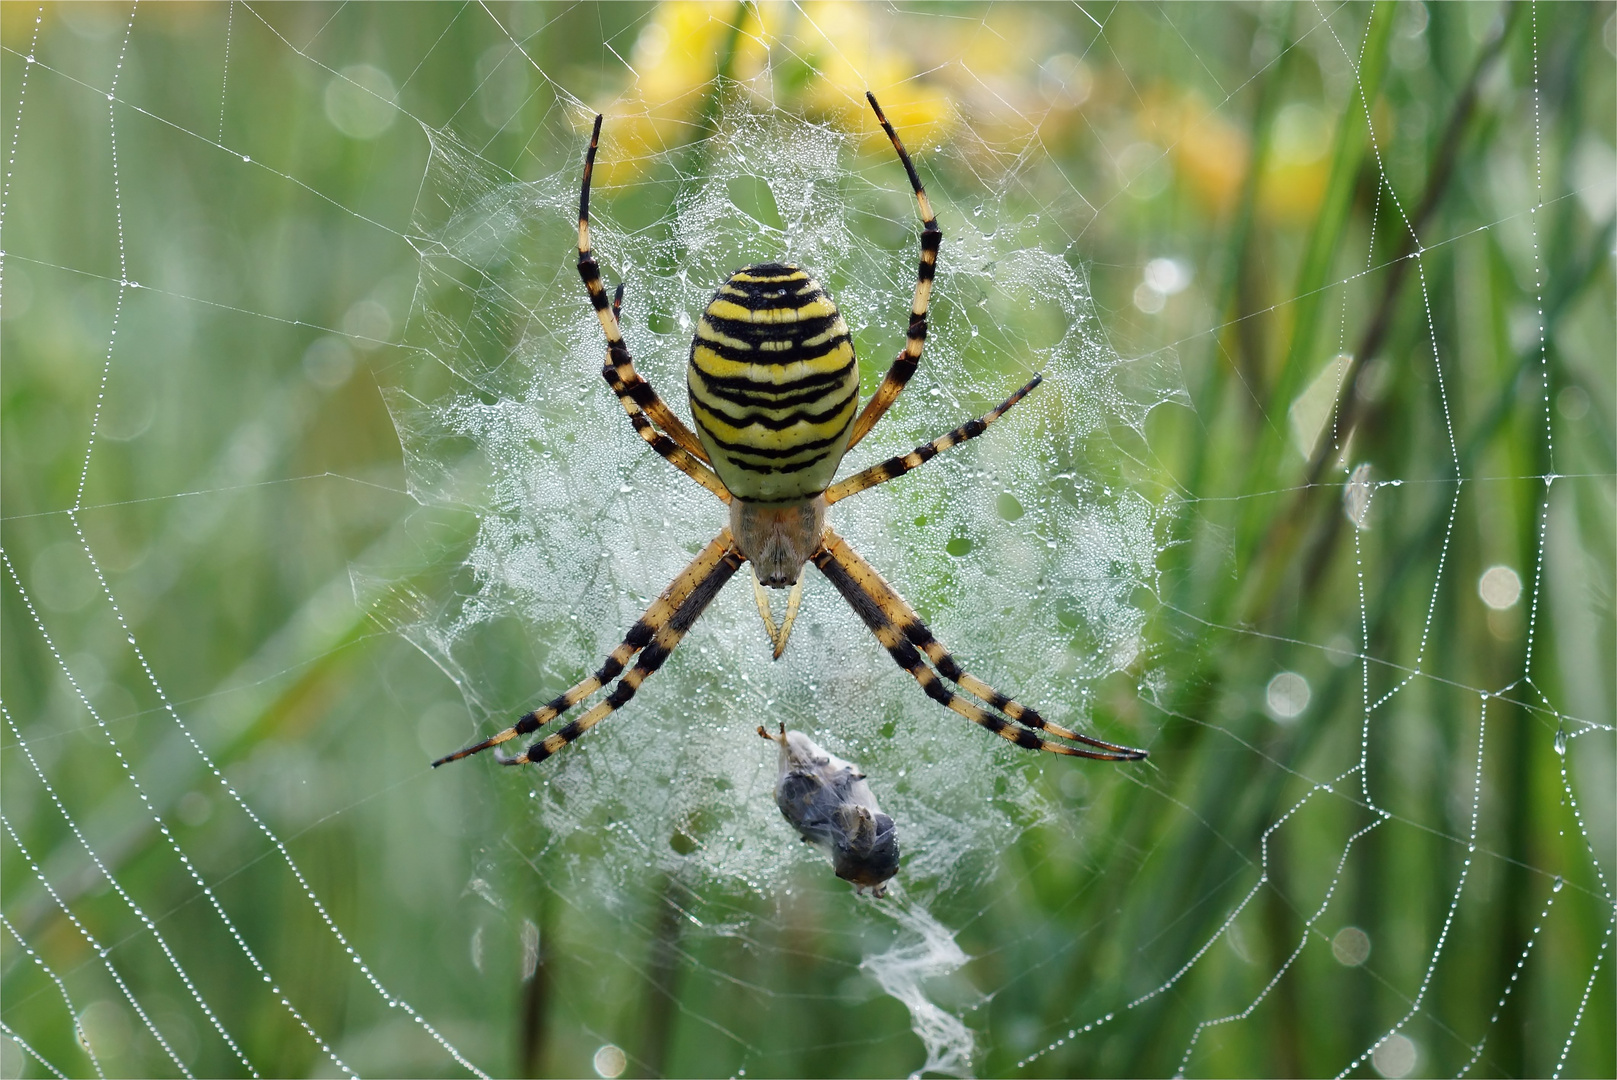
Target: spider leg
(661,443)
(895,467)
(642,635)
(663,641)
(617,352)
(931,239)
(900,631)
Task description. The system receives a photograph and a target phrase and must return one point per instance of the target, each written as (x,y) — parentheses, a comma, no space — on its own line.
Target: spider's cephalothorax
(774,389)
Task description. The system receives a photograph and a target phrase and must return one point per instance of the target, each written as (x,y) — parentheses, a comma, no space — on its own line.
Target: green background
(244,467)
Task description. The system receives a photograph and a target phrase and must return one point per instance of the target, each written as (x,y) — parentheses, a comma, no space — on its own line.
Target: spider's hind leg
(699,581)
(906,637)
(664,640)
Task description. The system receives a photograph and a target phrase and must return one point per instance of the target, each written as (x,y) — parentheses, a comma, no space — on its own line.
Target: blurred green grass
(261,404)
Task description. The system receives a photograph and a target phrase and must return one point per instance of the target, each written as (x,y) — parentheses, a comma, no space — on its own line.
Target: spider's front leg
(653,420)
(905,637)
(654,635)
(894,467)
(660,442)
(899,375)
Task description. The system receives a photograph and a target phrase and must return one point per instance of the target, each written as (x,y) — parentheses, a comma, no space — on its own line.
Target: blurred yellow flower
(840,50)
(676,55)
(1210,154)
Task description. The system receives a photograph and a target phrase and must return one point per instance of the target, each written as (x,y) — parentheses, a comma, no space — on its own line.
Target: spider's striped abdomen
(774,385)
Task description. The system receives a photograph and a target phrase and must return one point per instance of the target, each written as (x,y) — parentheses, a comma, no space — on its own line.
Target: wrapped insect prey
(828,802)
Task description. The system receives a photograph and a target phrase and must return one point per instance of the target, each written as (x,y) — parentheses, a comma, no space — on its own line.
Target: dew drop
(1557,884)
(1560,741)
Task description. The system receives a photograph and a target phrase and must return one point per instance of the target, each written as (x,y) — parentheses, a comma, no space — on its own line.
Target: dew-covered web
(311,476)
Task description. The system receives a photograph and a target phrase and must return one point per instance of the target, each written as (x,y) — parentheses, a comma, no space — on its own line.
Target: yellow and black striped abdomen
(774,384)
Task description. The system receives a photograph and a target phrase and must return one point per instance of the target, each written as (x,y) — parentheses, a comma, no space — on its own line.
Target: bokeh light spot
(1499,587)
(1065,81)
(369,323)
(1350,946)
(1287,695)
(1168,276)
(359,101)
(328,362)
(610,1062)
(106,1027)
(1395,1057)
(1163,277)
(1148,299)
(1572,402)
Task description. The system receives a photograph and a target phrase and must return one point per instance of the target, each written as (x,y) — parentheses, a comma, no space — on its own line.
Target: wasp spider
(774,395)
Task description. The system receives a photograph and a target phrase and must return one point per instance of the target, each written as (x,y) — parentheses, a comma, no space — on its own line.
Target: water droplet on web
(1557,884)
(1560,741)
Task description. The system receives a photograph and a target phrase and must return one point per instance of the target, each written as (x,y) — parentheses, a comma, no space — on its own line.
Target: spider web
(237,626)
